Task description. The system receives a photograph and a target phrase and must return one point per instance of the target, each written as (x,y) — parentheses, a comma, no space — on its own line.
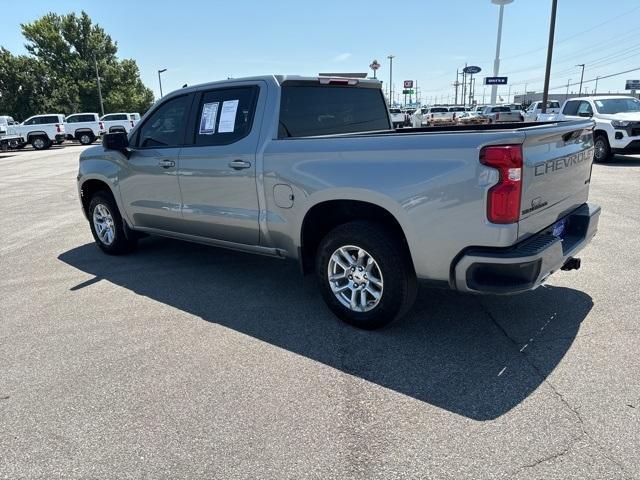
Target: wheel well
(325,216)
(89,189)
(80,131)
(601,132)
(31,135)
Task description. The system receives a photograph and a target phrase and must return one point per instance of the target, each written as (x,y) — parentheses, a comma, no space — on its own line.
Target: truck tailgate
(556,173)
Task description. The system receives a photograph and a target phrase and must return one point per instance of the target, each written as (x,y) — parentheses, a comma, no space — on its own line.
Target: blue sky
(200,41)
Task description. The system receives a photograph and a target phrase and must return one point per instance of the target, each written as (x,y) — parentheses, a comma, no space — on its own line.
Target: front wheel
(365,274)
(602,150)
(107,226)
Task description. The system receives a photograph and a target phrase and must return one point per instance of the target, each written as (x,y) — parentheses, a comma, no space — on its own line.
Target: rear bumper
(60,137)
(527,265)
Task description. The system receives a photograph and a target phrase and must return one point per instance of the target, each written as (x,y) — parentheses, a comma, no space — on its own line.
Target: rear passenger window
(225,115)
(327,110)
(165,126)
(571,108)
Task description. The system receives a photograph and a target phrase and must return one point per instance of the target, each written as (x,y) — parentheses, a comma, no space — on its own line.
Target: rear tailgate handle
(166,163)
(239,164)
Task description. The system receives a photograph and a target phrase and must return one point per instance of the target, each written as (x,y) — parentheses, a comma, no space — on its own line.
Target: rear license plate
(559,228)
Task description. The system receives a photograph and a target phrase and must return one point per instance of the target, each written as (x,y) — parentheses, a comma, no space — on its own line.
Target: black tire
(394,264)
(86,138)
(602,150)
(122,242)
(40,142)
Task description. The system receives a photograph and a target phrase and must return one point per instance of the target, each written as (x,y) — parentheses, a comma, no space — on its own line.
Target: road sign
(374,65)
(408,92)
(632,85)
(472,69)
(408,84)
(495,80)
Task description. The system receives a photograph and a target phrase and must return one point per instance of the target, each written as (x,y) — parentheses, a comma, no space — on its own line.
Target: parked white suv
(84,127)
(617,120)
(41,131)
(118,122)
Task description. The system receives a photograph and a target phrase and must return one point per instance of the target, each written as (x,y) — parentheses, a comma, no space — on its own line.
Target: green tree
(59,74)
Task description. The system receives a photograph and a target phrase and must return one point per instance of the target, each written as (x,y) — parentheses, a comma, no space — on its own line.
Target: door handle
(239,164)
(166,163)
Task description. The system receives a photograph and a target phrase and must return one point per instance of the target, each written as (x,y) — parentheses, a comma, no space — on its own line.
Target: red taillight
(503,199)
(131,123)
(101,125)
(497,117)
(58,127)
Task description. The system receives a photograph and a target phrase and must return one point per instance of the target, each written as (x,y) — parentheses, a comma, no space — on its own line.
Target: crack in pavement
(564,401)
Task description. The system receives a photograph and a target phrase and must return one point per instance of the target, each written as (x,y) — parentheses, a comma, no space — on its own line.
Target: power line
(577,34)
(594,79)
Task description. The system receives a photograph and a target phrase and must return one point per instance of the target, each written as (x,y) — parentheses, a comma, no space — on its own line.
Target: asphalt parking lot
(184,361)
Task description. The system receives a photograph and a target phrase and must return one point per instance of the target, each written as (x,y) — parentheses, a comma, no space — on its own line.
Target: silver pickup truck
(310,169)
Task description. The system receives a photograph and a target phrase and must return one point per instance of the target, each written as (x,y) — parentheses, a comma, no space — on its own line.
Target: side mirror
(115,141)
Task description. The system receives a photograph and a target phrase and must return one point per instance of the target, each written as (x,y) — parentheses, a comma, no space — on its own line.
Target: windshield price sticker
(208,118)
(228,116)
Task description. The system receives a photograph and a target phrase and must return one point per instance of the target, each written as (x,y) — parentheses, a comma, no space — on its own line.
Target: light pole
(595,90)
(581,77)
(391,57)
(496,62)
(566,95)
(99,88)
(547,73)
(160,79)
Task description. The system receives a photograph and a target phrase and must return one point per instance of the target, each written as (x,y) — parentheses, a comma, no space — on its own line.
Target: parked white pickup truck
(535,109)
(501,114)
(7,139)
(41,131)
(118,122)
(84,127)
(617,120)
(397,117)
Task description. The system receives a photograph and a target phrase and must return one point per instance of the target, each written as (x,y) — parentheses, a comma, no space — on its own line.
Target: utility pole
(566,95)
(95,62)
(547,75)
(472,96)
(391,57)
(456,84)
(464,85)
(596,89)
(581,77)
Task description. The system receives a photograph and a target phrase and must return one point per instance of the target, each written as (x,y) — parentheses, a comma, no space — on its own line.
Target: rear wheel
(40,142)
(602,150)
(365,274)
(107,226)
(86,138)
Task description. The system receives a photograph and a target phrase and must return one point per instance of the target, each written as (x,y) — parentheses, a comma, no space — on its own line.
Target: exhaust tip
(571,264)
